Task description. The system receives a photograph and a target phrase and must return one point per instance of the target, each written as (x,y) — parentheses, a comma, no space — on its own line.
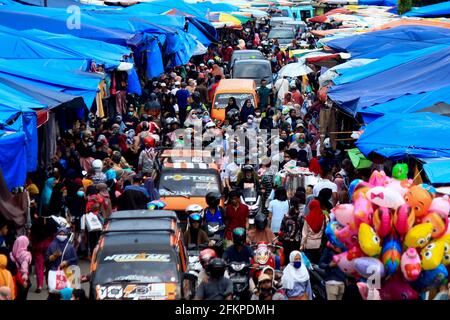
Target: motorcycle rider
(238,251)
(248,176)
(197,104)
(205,256)
(261,233)
(194,234)
(216,286)
(214,212)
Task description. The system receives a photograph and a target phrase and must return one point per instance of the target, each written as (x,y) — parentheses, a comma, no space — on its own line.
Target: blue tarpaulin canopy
(437,170)
(38,44)
(397,136)
(57,75)
(399,39)
(435,10)
(426,73)
(13,159)
(384,63)
(406,104)
(385,3)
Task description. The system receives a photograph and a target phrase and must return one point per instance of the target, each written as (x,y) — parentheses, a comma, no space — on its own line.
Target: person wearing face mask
(295,279)
(61,253)
(130,119)
(265,289)
(86,150)
(247,110)
(257,119)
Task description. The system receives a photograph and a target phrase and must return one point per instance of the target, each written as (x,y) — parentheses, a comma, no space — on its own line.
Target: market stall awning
(426,73)
(435,10)
(437,170)
(398,136)
(328,61)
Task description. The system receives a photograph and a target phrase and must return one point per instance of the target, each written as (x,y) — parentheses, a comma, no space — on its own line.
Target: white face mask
(61,238)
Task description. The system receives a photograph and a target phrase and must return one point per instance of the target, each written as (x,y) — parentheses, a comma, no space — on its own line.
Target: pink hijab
(256,40)
(20,253)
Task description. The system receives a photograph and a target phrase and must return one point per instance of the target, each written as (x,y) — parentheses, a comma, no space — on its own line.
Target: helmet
(195,217)
(206,256)
(239,236)
(261,221)
(213,199)
(210,125)
(194,208)
(97,165)
(247,168)
(232,113)
(149,142)
(216,268)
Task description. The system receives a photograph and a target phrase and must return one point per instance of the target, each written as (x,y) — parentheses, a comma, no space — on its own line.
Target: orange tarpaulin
(414,22)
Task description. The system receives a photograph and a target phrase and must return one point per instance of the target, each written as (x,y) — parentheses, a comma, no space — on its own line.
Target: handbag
(57,280)
(93,222)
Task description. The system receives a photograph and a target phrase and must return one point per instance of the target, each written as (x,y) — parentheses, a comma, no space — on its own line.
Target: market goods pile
(394,231)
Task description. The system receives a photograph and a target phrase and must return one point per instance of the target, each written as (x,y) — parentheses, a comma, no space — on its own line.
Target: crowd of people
(106,164)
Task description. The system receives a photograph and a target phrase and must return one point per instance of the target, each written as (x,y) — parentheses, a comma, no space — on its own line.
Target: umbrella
(441,108)
(226,18)
(359,161)
(294,70)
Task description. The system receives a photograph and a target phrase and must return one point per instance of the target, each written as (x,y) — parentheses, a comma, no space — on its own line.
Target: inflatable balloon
(419,235)
(352,187)
(363,210)
(410,264)
(384,197)
(441,206)
(419,200)
(403,219)
(400,186)
(362,189)
(391,254)
(432,278)
(369,240)
(397,289)
(429,188)
(377,178)
(382,222)
(439,223)
(432,255)
(346,266)
(344,214)
(368,266)
(348,236)
(330,232)
(400,171)
(368,293)
(354,253)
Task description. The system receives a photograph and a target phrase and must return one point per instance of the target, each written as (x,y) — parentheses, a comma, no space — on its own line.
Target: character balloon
(384,197)
(382,222)
(363,210)
(419,200)
(403,219)
(410,264)
(369,267)
(369,241)
(419,235)
(432,255)
(344,214)
(391,254)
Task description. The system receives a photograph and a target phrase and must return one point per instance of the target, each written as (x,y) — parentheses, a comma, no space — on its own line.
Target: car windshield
(248,55)
(281,34)
(253,71)
(281,13)
(188,184)
(222,99)
(136,267)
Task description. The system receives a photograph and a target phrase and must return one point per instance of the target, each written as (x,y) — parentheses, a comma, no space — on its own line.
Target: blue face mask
(80,193)
(297,264)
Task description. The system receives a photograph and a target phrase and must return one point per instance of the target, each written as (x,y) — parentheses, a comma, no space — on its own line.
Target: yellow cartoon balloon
(433,254)
(419,235)
(446,258)
(369,241)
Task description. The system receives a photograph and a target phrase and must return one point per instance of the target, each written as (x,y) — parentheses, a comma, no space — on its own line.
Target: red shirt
(297,97)
(227,53)
(212,91)
(237,218)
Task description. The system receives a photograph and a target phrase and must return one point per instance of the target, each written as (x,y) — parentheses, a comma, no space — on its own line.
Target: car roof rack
(142,214)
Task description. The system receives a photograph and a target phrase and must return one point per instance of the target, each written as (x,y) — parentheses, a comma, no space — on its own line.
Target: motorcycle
(253,201)
(239,274)
(194,265)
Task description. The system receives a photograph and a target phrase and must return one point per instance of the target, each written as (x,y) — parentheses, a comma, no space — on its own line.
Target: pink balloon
(344,214)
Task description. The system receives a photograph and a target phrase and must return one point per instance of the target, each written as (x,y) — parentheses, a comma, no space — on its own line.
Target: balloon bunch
(393,230)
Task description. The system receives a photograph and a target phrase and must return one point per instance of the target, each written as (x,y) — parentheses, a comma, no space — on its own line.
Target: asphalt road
(83,264)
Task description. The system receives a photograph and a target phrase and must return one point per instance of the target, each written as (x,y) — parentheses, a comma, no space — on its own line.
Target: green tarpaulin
(359,161)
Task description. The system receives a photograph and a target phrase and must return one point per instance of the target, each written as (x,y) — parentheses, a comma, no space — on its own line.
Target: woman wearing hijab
(231,105)
(256,40)
(151,189)
(6,279)
(315,167)
(57,201)
(314,225)
(217,71)
(295,279)
(241,44)
(61,253)
(247,110)
(22,258)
